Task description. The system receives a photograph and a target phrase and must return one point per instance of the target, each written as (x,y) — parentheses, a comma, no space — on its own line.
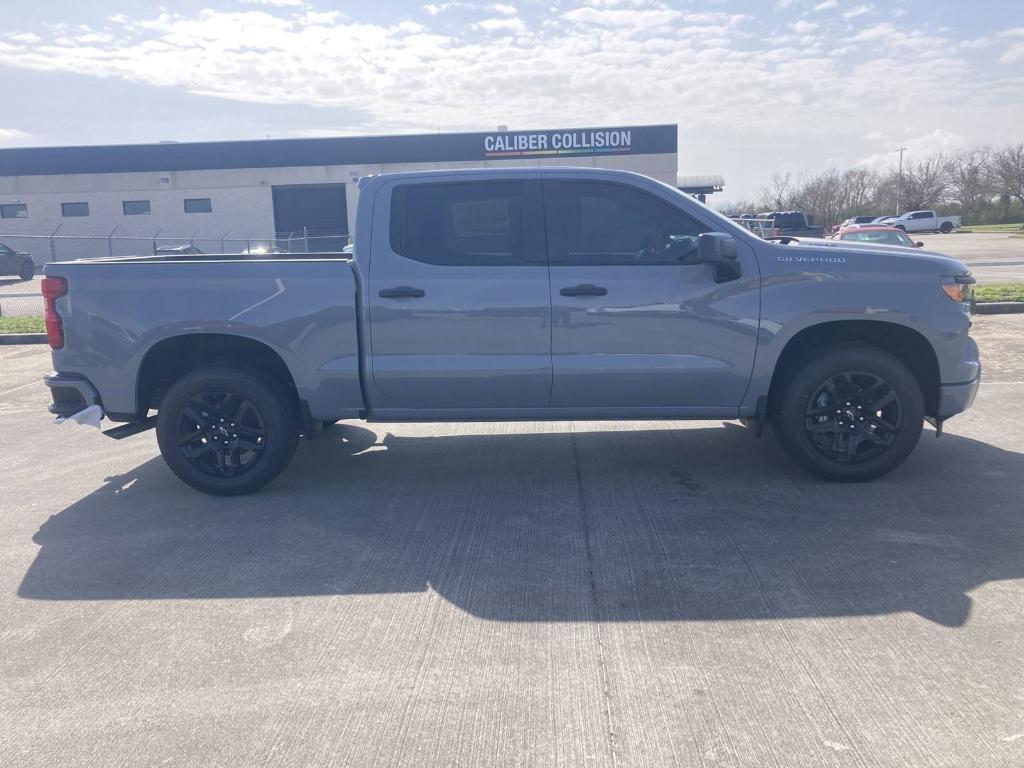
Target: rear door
(921,221)
(634,326)
(459,307)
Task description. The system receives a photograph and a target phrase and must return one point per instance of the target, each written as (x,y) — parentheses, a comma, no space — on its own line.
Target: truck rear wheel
(224,431)
(853,413)
(946,227)
(27,271)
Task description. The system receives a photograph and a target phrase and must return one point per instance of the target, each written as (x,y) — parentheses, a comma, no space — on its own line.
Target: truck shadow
(666,525)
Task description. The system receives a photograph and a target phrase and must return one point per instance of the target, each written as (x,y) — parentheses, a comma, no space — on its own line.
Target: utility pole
(899,179)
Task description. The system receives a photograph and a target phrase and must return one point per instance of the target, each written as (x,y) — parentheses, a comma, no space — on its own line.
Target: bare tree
(924,184)
(1006,170)
(737,209)
(822,196)
(969,178)
(778,196)
(860,192)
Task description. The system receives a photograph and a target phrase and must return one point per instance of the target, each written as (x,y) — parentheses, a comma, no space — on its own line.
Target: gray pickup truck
(517,294)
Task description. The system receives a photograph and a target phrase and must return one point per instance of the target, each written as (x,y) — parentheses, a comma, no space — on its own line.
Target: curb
(22,338)
(999,308)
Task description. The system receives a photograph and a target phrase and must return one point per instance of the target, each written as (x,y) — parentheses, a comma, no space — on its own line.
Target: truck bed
(118,311)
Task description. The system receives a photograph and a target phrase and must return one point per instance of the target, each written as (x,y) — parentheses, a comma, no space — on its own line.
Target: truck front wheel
(224,431)
(851,413)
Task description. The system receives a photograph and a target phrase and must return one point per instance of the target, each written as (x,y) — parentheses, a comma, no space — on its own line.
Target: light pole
(899,179)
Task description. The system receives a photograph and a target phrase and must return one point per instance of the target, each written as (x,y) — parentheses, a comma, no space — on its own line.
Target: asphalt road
(607,594)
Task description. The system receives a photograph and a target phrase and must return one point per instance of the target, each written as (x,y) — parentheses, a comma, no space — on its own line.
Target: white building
(221,195)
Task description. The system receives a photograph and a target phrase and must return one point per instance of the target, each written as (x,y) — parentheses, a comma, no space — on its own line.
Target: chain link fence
(22,298)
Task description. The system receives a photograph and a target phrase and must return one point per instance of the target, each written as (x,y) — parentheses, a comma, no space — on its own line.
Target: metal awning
(701,185)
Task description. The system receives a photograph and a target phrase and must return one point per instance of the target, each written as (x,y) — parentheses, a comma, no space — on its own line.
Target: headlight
(959,288)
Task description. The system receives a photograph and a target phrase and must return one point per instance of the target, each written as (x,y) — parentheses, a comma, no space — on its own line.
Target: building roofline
(318,151)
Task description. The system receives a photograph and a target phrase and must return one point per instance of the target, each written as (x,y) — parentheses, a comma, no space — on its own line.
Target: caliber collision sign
(341,150)
(599,141)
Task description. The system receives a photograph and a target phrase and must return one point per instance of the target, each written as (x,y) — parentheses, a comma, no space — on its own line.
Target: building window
(13,211)
(74,209)
(198,205)
(135,207)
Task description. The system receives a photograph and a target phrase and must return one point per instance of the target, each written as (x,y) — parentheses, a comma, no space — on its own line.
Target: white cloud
(651,18)
(24,37)
(503,8)
(607,62)
(502,25)
(824,6)
(13,136)
(936,141)
(433,9)
(860,10)
(1013,53)
(411,27)
(278,3)
(322,17)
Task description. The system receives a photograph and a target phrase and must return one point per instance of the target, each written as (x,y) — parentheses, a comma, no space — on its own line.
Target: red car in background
(876,236)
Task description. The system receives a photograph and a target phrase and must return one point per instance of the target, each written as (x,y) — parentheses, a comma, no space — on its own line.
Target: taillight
(53,289)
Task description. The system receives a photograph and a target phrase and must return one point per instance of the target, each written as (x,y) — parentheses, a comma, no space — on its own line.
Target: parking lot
(599,594)
(993,257)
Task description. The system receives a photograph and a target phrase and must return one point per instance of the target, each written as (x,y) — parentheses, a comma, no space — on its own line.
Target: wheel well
(170,359)
(906,344)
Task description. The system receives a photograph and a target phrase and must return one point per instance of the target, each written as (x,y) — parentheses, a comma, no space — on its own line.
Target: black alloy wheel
(227,430)
(221,433)
(848,413)
(853,416)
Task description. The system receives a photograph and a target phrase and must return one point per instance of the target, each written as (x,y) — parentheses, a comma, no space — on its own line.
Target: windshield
(884,237)
(722,222)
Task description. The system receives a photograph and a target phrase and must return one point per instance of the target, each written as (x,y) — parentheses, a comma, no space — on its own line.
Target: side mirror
(919,244)
(719,250)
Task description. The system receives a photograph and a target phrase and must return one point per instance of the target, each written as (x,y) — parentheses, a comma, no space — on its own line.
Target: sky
(756,87)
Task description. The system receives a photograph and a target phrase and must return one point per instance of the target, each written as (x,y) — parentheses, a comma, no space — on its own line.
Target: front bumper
(956,398)
(70,393)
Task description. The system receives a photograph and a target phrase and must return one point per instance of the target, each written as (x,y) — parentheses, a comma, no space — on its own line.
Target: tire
(946,228)
(27,271)
(205,407)
(884,415)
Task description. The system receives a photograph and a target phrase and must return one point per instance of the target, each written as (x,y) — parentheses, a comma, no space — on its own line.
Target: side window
(460,223)
(922,215)
(598,223)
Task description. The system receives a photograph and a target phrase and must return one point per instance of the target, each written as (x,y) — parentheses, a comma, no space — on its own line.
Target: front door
(460,315)
(633,326)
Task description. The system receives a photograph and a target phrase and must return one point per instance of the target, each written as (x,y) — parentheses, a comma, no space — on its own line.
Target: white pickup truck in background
(923,221)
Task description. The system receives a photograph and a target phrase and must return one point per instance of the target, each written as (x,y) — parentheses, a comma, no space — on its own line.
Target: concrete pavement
(603,594)
(992,257)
